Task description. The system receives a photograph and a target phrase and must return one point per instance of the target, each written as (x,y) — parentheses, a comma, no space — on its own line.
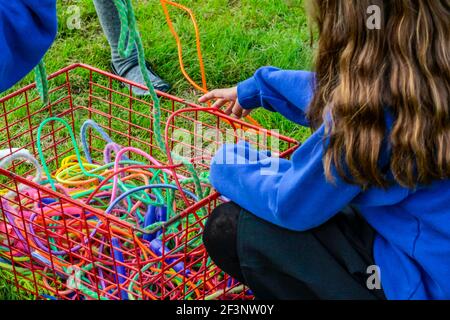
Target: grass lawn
(238,37)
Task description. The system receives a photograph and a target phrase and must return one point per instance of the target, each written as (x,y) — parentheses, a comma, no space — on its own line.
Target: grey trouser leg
(109,19)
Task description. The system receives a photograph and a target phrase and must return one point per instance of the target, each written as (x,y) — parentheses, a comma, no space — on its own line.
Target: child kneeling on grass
(369,191)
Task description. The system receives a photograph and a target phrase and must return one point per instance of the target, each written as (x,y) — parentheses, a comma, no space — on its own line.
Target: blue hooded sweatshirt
(412,245)
(27,29)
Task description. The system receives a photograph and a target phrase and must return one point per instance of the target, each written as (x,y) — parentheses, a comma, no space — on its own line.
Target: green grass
(238,37)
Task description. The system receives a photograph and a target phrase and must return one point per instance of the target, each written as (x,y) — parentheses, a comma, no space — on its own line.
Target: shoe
(134,74)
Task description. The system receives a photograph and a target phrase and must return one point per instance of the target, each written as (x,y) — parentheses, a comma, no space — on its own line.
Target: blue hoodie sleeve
(285,91)
(293,194)
(27,29)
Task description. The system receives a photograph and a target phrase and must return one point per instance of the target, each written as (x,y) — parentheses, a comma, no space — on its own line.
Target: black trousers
(329,262)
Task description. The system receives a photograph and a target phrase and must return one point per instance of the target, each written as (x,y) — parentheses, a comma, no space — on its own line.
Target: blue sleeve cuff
(249,96)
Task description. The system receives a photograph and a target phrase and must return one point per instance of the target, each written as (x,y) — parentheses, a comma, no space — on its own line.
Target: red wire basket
(68,249)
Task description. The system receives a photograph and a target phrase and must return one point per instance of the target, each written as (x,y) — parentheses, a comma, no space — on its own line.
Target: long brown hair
(404,68)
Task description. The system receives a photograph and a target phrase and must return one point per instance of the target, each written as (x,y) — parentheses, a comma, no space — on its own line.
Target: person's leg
(220,239)
(276,261)
(124,67)
(324,263)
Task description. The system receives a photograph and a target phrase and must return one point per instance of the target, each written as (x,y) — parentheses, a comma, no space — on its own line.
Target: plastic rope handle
(42,82)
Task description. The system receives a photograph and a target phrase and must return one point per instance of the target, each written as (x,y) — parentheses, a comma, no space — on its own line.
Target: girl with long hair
(362,208)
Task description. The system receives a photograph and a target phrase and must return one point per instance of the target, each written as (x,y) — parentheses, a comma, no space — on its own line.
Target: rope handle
(42,82)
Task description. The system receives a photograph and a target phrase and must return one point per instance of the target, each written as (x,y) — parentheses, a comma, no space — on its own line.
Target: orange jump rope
(203,87)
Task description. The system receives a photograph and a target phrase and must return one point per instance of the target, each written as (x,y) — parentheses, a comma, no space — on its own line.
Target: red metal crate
(68,249)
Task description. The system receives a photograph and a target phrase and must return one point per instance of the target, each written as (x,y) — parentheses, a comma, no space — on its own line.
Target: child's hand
(224,96)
